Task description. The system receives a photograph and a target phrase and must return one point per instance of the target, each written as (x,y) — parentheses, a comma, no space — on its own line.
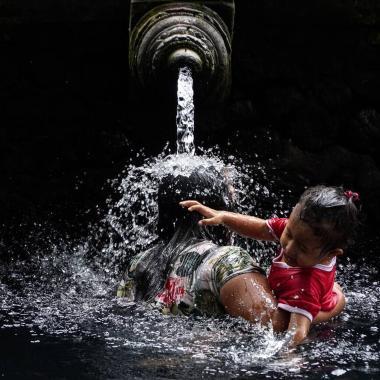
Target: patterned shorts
(222,265)
(197,277)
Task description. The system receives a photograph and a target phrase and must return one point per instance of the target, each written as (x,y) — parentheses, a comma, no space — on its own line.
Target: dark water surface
(59,317)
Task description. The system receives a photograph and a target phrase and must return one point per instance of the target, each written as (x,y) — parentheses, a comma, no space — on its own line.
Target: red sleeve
(277,226)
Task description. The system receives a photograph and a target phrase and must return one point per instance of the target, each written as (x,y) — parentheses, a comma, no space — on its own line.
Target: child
(302,276)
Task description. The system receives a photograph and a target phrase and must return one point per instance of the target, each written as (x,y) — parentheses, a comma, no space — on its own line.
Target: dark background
(306,71)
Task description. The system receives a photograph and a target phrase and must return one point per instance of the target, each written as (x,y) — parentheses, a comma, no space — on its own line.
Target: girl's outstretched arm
(244,225)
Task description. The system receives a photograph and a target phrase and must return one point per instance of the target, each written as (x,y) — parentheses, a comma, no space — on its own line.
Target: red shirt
(299,290)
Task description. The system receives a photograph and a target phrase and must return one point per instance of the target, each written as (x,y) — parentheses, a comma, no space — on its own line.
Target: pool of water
(59,317)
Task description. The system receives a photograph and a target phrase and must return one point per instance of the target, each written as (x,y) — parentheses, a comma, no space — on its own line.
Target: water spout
(167,35)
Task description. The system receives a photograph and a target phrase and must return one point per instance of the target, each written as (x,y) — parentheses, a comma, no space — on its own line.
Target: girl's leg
(249,296)
(324,316)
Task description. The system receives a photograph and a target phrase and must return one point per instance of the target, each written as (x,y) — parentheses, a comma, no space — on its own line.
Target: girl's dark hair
(178,228)
(205,185)
(332,214)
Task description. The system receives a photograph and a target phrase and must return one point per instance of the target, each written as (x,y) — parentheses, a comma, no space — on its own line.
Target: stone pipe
(166,35)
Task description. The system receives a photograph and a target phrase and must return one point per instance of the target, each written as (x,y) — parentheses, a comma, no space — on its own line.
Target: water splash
(63,297)
(185,112)
(131,222)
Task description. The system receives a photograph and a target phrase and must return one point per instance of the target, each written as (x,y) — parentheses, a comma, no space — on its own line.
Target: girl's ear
(335,252)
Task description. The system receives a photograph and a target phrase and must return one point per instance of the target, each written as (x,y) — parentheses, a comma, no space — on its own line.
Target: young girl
(302,276)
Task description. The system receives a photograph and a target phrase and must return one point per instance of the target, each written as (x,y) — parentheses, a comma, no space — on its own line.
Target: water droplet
(338,372)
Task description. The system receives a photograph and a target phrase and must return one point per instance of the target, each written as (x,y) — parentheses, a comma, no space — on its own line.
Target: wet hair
(332,214)
(205,185)
(178,228)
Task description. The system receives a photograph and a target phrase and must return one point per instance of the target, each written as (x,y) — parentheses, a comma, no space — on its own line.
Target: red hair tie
(351,195)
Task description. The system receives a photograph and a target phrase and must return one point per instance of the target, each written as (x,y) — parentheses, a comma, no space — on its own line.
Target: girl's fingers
(199,207)
(196,208)
(203,210)
(189,203)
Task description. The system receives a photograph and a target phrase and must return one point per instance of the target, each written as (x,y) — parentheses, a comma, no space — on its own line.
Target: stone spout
(166,35)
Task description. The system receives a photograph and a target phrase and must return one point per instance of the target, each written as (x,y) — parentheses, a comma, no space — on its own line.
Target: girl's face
(301,248)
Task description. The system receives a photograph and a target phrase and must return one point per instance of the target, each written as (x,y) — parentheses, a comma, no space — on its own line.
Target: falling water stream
(59,317)
(185,112)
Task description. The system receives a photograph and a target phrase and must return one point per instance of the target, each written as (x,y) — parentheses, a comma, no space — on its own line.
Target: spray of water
(65,292)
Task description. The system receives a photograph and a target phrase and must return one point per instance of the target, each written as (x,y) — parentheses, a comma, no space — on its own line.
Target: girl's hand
(213,217)
(299,327)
